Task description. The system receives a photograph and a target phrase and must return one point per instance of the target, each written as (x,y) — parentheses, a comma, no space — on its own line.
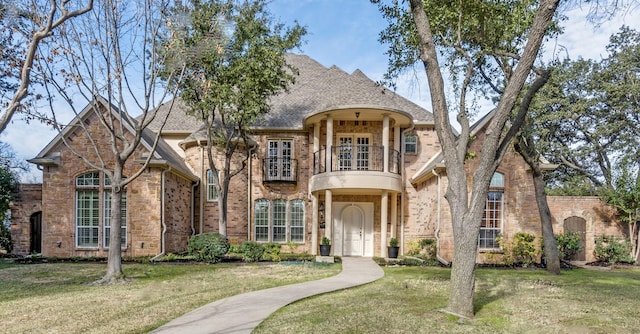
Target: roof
(163,154)
(317,89)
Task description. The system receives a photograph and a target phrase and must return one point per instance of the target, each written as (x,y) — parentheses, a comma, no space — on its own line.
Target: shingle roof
(178,121)
(319,89)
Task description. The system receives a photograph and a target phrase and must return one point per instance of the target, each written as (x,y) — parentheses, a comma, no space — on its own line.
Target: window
(410,143)
(296,212)
(279,157)
(279,220)
(88,217)
(491,225)
(353,157)
(212,187)
(261,220)
(107,218)
(275,221)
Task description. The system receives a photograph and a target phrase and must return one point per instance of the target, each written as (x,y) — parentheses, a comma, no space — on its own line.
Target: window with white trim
(279,220)
(491,225)
(296,217)
(410,143)
(212,187)
(261,220)
(280,155)
(107,218)
(88,218)
(88,210)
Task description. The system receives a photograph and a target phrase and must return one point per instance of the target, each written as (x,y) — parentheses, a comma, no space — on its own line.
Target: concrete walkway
(242,313)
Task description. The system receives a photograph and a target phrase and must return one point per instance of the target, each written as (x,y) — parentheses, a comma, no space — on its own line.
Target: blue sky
(345,33)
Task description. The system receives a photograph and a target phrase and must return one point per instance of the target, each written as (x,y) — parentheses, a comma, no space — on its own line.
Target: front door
(353,222)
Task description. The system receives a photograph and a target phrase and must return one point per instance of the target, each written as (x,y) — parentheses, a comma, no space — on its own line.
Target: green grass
(58,297)
(410,300)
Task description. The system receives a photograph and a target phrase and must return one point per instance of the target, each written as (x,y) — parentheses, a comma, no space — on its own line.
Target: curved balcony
(356,167)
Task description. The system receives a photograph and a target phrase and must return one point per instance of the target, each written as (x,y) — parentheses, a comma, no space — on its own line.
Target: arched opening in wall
(35,243)
(577,225)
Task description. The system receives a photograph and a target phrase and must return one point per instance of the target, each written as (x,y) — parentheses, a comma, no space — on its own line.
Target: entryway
(35,222)
(353,229)
(577,225)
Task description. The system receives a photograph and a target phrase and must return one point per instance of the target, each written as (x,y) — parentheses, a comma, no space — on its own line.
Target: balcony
(279,170)
(359,158)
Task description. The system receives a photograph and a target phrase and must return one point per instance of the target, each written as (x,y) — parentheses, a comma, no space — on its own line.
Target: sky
(345,33)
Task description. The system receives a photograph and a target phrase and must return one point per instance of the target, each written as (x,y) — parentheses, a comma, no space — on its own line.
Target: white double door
(353,234)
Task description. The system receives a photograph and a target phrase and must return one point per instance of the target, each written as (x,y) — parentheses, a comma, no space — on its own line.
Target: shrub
(271,251)
(393,242)
(613,250)
(5,238)
(521,250)
(428,249)
(251,251)
(209,247)
(413,247)
(568,244)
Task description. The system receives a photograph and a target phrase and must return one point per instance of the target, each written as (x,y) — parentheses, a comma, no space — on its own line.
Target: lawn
(410,299)
(57,298)
(45,298)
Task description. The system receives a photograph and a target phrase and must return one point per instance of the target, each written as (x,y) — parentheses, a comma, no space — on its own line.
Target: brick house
(337,155)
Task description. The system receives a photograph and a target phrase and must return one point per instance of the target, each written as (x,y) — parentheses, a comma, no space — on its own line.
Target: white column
(328,216)
(384,206)
(314,225)
(328,161)
(394,215)
(316,146)
(385,142)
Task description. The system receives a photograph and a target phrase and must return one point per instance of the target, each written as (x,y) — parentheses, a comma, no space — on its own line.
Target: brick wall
(28,202)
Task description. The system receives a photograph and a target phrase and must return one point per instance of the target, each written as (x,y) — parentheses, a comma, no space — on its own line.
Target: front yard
(41,298)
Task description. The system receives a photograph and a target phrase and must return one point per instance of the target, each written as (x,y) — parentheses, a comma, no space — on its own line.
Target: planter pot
(325,250)
(392,252)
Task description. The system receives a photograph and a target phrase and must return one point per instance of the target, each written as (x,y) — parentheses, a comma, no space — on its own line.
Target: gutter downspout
(162,215)
(249,206)
(203,176)
(193,207)
(404,184)
(437,234)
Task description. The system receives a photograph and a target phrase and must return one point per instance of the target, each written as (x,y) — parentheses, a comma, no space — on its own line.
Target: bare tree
(45,17)
(109,60)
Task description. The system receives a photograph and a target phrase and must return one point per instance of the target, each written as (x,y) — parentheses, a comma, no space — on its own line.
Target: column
(385,142)
(384,206)
(394,215)
(316,148)
(328,217)
(329,144)
(314,225)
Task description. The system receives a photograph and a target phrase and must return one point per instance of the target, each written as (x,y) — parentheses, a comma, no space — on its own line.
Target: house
(338,155)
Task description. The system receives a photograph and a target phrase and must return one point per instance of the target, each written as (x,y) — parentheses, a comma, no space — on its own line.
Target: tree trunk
(550,247)
(114,262)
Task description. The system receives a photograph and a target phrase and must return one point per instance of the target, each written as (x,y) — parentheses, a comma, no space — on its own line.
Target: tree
(10,168)
(485,43)
(42,19)
(235,60)
(109,59)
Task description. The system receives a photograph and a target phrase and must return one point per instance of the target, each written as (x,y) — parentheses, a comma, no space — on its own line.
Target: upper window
(410,143)
(212,187)
(279,158)
(492,219)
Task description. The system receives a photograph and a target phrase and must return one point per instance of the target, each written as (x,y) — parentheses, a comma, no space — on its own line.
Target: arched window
(261,220)
(279,219)
(212,189)
(107,215)
(491,225)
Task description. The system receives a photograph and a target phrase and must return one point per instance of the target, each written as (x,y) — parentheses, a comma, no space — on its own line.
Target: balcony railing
(280,170)
(355,158)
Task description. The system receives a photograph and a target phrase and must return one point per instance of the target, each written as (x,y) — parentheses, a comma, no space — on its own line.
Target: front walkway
(242,313)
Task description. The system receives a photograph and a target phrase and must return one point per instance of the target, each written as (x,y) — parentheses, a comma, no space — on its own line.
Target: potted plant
(325,247)
(393,248)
